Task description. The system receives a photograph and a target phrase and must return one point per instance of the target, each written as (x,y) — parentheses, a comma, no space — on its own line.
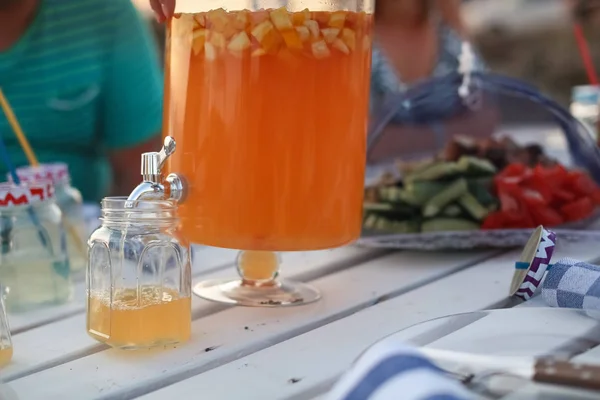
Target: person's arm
(132,97)
(163,9)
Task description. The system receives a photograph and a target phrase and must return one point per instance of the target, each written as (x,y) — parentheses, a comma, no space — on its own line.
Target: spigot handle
(153,162)
(169,146)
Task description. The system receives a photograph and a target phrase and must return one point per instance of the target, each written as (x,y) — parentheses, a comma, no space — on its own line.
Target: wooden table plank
(208,259)
(42,348)
(237,331)
(320,356)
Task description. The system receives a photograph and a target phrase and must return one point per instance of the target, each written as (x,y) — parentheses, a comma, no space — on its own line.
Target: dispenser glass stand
(258,285)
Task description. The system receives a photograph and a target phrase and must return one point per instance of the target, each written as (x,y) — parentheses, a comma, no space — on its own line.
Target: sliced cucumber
(423,191)
(445,197)
(470,203)
(452,210)
(439,170)
(476,166)
(448,224)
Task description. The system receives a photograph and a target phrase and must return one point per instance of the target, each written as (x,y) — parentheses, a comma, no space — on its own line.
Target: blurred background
(528,39)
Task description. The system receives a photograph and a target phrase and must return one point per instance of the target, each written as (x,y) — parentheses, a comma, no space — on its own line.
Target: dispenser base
(282,293)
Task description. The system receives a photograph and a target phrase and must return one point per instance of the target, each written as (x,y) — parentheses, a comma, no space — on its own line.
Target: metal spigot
(152,186)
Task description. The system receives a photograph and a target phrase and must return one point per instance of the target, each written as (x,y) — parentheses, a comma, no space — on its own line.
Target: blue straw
(13,172)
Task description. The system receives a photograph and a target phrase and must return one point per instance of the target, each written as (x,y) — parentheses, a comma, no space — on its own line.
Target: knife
(541,370)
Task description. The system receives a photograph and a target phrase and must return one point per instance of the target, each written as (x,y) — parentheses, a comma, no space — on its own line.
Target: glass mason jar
(138,276)
(34,265)
(269,105)
(71,204)
(6,348)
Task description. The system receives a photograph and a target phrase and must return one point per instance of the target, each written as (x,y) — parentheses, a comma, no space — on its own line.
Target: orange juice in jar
(269,110)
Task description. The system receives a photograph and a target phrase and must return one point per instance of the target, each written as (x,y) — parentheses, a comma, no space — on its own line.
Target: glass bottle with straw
(74,234)
(69,201)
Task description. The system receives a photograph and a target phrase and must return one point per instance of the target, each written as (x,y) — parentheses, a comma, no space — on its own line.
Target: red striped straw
(586,56)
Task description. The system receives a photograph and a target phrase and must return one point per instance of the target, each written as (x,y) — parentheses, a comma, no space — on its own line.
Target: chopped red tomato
(546,216)
(578,209)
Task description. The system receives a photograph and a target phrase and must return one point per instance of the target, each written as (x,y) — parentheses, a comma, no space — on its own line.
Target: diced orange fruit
(198,40)
(266,35)
(241,20)
(349,38)
(218,40)
(292,39)
(320,49)
(210,53)
(321,17)
(298,18)
(313,27)
(265,32)
(340,45)
(218,19)
(239,43)
(281,19)
(303,33)
(337,19)
(330,34)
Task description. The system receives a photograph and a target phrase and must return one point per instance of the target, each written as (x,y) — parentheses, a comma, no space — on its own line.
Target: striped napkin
(393,371)
(572,284)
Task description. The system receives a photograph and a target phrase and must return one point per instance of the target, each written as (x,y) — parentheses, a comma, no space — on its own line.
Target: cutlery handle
(567,373)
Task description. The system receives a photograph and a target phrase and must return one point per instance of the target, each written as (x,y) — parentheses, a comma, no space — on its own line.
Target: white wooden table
(258,353)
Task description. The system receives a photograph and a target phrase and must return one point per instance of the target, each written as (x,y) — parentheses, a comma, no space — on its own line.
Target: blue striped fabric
(83,79)
(392,371)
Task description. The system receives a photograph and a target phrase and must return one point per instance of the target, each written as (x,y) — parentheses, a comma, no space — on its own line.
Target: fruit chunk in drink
(269,109)
(157,316)
(6,354)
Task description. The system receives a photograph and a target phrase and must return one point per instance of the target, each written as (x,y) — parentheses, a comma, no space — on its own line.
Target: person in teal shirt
(84,80)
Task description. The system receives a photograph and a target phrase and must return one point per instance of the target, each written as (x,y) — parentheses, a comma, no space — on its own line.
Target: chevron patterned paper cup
(535,259)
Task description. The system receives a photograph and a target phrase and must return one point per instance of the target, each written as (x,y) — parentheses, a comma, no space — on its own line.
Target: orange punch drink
(269,111)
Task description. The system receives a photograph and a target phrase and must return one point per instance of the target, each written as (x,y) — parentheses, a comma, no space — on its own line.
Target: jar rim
(117,203)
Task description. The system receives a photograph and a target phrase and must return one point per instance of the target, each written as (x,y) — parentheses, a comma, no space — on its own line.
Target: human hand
(163,9)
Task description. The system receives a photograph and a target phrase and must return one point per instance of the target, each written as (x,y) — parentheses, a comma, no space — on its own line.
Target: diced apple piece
(281,19)
(218,19)
(258,53)
(198,40)
(239,43)
(298,18)
(337,19)
(266,35)
(330,34)
(292,39)
(366,43)
(341,46)
(199,20)
(313,27)
(210,52)
(349,38)
(218,40)
(320,49)
(177,15)
(258,17)
(303,33)
(240,21)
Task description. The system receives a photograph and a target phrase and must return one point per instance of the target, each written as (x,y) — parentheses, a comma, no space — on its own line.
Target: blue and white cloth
(572,284)
(394,371)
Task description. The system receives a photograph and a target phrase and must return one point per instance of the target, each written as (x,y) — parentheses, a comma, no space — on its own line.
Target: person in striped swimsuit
(84,81)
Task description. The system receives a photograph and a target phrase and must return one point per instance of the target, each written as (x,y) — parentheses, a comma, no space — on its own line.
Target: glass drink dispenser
(267,102)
